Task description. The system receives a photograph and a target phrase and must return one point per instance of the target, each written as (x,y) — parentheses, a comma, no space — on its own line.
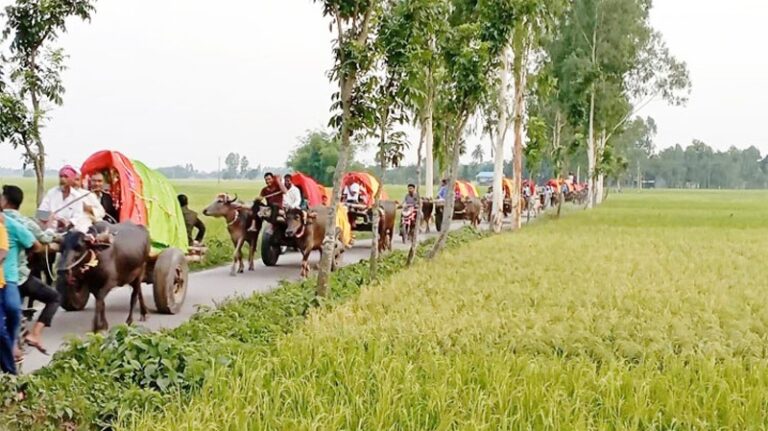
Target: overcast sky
(176,81)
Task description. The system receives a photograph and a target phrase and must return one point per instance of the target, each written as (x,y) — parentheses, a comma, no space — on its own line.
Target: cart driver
(273,193)
(62,205)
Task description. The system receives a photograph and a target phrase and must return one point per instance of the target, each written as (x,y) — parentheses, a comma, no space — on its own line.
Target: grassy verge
(648,313)
(131,371)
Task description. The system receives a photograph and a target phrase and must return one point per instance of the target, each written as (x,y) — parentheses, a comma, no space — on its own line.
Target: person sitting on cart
(191,221)
(96,186)
(352,193)
(273,194)
(62,205)
(292,194)
(93,211)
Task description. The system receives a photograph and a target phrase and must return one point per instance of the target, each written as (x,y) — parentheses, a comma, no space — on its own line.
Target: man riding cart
(359,196)
(148,244)
(298,220)
(464,194)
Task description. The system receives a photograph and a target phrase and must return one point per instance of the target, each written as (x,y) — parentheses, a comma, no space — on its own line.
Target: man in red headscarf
(62,205)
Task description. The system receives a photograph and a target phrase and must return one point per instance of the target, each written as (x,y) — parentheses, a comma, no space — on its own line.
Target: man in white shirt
(353,193)
(291,195)
(93,211)
(63,204)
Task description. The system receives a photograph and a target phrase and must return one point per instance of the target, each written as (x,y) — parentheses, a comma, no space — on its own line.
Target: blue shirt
(443,192)
(19,239)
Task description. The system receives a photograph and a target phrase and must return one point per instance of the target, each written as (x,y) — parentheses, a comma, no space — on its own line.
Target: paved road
(205,288)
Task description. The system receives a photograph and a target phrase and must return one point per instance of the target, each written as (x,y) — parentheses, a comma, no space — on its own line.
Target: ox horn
(229,201)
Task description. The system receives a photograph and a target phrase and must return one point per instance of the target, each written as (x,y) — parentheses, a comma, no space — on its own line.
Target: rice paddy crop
(647,313)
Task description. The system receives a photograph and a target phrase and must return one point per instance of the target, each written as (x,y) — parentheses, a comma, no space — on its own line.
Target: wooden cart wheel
(269,252)
(74,298)
(170,277)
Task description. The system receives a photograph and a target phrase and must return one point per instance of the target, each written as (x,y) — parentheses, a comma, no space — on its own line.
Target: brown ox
(307,230)
(387,225)
(473,208)
(238,219)
(427,210)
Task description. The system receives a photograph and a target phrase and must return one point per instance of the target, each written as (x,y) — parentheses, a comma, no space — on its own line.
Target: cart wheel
(74,298)
(170,278)
(269,253)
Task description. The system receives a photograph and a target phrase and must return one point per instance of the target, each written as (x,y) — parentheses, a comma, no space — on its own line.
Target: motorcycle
(408,223)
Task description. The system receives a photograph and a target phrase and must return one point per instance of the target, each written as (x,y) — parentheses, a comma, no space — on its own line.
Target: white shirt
(59,207)
(292,198)
(353,192)
(94,203)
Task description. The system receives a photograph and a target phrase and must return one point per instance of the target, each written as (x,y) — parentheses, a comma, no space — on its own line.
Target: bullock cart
(145,197)
(463,191)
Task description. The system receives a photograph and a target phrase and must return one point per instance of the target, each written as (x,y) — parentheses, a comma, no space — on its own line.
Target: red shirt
(274,196)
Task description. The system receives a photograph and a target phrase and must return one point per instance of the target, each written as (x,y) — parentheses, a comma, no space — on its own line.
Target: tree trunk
(591,152)
(329,242)
(450,202)
(429,138)
(497,206)
(600,176)
(419,215)
(40,176)
(38,159)
(376,219)
(520,78)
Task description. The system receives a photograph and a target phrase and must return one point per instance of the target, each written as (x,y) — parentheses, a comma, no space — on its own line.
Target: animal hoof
(143,319)
(129,322)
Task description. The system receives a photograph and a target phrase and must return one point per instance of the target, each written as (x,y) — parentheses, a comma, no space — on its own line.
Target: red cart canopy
(125,183)
(311,191)
(369,183)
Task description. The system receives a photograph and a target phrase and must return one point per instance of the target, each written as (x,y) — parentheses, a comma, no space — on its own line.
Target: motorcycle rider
(410,205)
(412,198)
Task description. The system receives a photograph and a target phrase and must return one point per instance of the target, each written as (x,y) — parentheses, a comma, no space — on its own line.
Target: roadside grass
(647,313)
(201,193)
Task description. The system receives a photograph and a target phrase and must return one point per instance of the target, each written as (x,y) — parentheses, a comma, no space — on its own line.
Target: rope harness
(234,219)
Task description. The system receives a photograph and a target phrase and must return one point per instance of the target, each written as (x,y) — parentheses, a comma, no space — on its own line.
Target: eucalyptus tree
(354,57)
(32,28)
(531,21)
(393,36)
(470,49)
(611,63)
(426,22)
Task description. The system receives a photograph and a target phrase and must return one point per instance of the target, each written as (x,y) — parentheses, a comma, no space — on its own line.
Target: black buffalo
(95,263)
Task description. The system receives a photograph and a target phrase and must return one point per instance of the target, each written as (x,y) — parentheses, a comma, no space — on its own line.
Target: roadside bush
(132,370)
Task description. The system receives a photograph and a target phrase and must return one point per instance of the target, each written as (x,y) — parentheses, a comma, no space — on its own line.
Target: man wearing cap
(63,205)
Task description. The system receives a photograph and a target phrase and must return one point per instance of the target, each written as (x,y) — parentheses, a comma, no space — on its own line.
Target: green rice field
(646,313)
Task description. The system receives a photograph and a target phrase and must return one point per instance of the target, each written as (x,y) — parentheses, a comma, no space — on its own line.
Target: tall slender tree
(354,22)
(471,49)
(33,26)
